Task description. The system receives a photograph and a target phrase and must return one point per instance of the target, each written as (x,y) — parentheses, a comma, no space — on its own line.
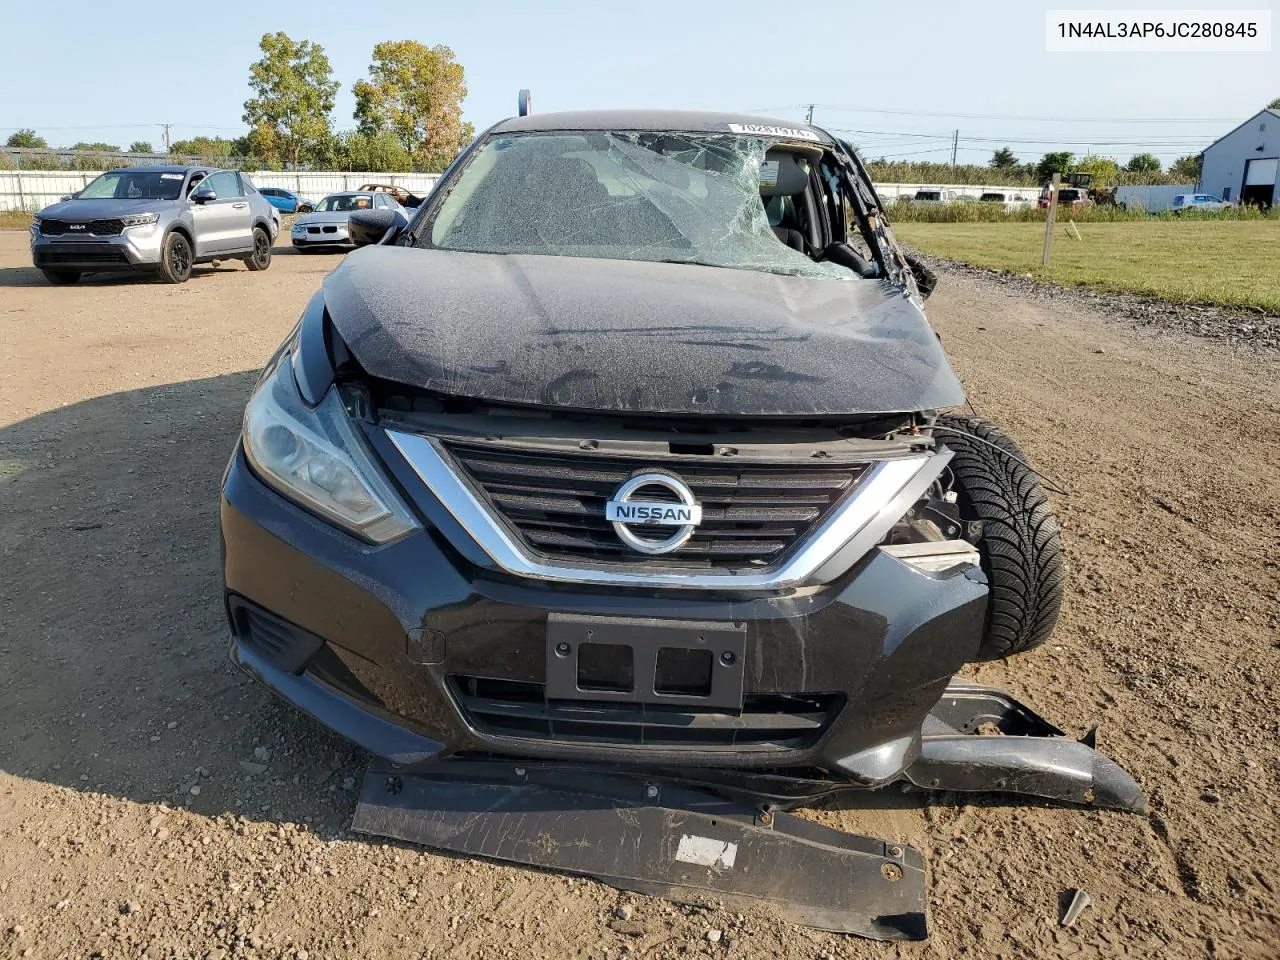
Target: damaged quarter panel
(636,336)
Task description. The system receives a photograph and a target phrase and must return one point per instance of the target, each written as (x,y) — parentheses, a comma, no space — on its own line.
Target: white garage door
(1261,172)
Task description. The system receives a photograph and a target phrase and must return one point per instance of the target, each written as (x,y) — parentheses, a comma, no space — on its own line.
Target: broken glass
(670,197)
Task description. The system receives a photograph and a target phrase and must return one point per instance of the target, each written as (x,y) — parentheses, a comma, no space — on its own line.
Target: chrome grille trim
(860,522)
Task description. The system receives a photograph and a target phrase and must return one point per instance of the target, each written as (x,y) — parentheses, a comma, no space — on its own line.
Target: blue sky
(124,68)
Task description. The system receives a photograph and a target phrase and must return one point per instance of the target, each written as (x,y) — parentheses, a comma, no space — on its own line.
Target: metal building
(1244,165)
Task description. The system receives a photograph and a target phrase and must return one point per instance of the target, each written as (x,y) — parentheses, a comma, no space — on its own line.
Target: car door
(222,225)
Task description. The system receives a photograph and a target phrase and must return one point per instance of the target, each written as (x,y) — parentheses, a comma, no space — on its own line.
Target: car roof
(161,168)
(685,121)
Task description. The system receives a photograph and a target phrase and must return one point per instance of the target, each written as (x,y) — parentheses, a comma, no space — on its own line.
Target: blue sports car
(286,201)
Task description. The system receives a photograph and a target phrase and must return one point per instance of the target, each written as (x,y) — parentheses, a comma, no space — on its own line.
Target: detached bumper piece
(678,836)
(658,839)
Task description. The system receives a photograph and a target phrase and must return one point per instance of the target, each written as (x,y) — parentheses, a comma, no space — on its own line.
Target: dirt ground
(137,819)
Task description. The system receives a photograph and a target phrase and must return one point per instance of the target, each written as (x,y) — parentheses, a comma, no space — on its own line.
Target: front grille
(80,253)
(752,513)
(96,228)
(508,708)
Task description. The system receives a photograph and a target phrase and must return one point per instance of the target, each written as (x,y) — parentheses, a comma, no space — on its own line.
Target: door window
(225,184)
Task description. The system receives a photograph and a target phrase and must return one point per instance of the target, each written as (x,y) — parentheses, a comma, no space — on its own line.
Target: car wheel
(1020,547)
(306,208)
(175,259)
(61,278)
(260,259)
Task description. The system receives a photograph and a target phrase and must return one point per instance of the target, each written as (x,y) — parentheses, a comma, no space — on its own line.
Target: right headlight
(318,459)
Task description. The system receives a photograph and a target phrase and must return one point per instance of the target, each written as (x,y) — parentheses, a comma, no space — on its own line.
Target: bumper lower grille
(80,253)
(514,709)
(97,228)
(752,513)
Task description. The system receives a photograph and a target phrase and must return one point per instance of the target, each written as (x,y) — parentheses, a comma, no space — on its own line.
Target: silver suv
(160,220)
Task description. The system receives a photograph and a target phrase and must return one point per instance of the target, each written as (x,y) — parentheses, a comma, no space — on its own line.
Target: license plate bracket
(646,661)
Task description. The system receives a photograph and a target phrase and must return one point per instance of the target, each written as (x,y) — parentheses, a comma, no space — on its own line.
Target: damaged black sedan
(631,452)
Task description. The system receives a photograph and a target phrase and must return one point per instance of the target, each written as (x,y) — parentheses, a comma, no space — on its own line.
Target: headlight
(36,222)
(299,228)
(139,219)
(318,459)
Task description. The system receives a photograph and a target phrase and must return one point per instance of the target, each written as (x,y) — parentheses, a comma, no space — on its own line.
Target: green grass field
(1228,262)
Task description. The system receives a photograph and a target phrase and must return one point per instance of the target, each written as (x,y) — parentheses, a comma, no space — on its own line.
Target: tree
(100,146)
(26,138)
(1052,163)
(212,148)
(293,90)
(415,92)
(141,146)
(1003,159)
(1186,169)
(1103,169)
(1143,163)
(1274,104)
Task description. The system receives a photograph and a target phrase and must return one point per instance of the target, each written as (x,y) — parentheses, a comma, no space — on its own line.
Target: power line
(997,116)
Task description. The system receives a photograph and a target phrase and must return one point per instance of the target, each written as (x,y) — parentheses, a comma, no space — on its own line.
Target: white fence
(33,189)
(1154,198)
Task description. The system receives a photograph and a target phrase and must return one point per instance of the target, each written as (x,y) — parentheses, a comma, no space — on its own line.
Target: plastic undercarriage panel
(656,839)
(694,835)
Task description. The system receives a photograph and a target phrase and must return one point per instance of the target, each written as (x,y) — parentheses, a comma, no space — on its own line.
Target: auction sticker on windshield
(760,129)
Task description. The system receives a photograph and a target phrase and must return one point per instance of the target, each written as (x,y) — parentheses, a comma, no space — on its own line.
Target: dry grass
(1236,263)
(14,220)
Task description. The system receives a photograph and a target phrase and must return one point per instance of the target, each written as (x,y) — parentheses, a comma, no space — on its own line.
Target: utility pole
(166,137)
(1048,221)
(955,145)
(808,117)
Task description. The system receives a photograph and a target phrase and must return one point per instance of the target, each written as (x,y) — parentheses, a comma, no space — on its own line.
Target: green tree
(1003,159)
(1103,169)
(1052,163)
(26,138)
(293,90)
(380,152)
(1274,104)
(415,92)
(103,147)
(1143,163)
(211,148)
(141,146)
(1186,169)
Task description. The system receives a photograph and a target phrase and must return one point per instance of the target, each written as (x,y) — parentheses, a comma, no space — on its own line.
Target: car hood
(339,217)
(634,336)
(104,209)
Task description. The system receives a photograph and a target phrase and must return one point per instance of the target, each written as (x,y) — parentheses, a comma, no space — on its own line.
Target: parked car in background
(326,226)
(1072,198)
(399,194)
(934,195)
(287,201)
(159,220)
(1009,199)
(1198,201)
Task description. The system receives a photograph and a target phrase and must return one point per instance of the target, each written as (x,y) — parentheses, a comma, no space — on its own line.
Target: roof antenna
(526,103)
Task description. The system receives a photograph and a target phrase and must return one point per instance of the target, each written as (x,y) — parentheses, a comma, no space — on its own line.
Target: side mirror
(203,194)
(925,278)
(366,227)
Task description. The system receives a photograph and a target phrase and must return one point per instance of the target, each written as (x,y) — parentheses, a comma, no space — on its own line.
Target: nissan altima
(631,447)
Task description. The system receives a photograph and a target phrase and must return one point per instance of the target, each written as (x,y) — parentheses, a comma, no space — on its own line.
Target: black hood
(636,336)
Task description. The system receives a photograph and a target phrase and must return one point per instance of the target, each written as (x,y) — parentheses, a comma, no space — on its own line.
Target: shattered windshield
(676,197)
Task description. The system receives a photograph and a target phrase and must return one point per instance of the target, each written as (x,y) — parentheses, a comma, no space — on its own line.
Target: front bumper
(323,237)
(418,650)
(137,248)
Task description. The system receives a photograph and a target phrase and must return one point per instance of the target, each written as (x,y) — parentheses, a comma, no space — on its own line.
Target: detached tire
(1021,546)
(175,259)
